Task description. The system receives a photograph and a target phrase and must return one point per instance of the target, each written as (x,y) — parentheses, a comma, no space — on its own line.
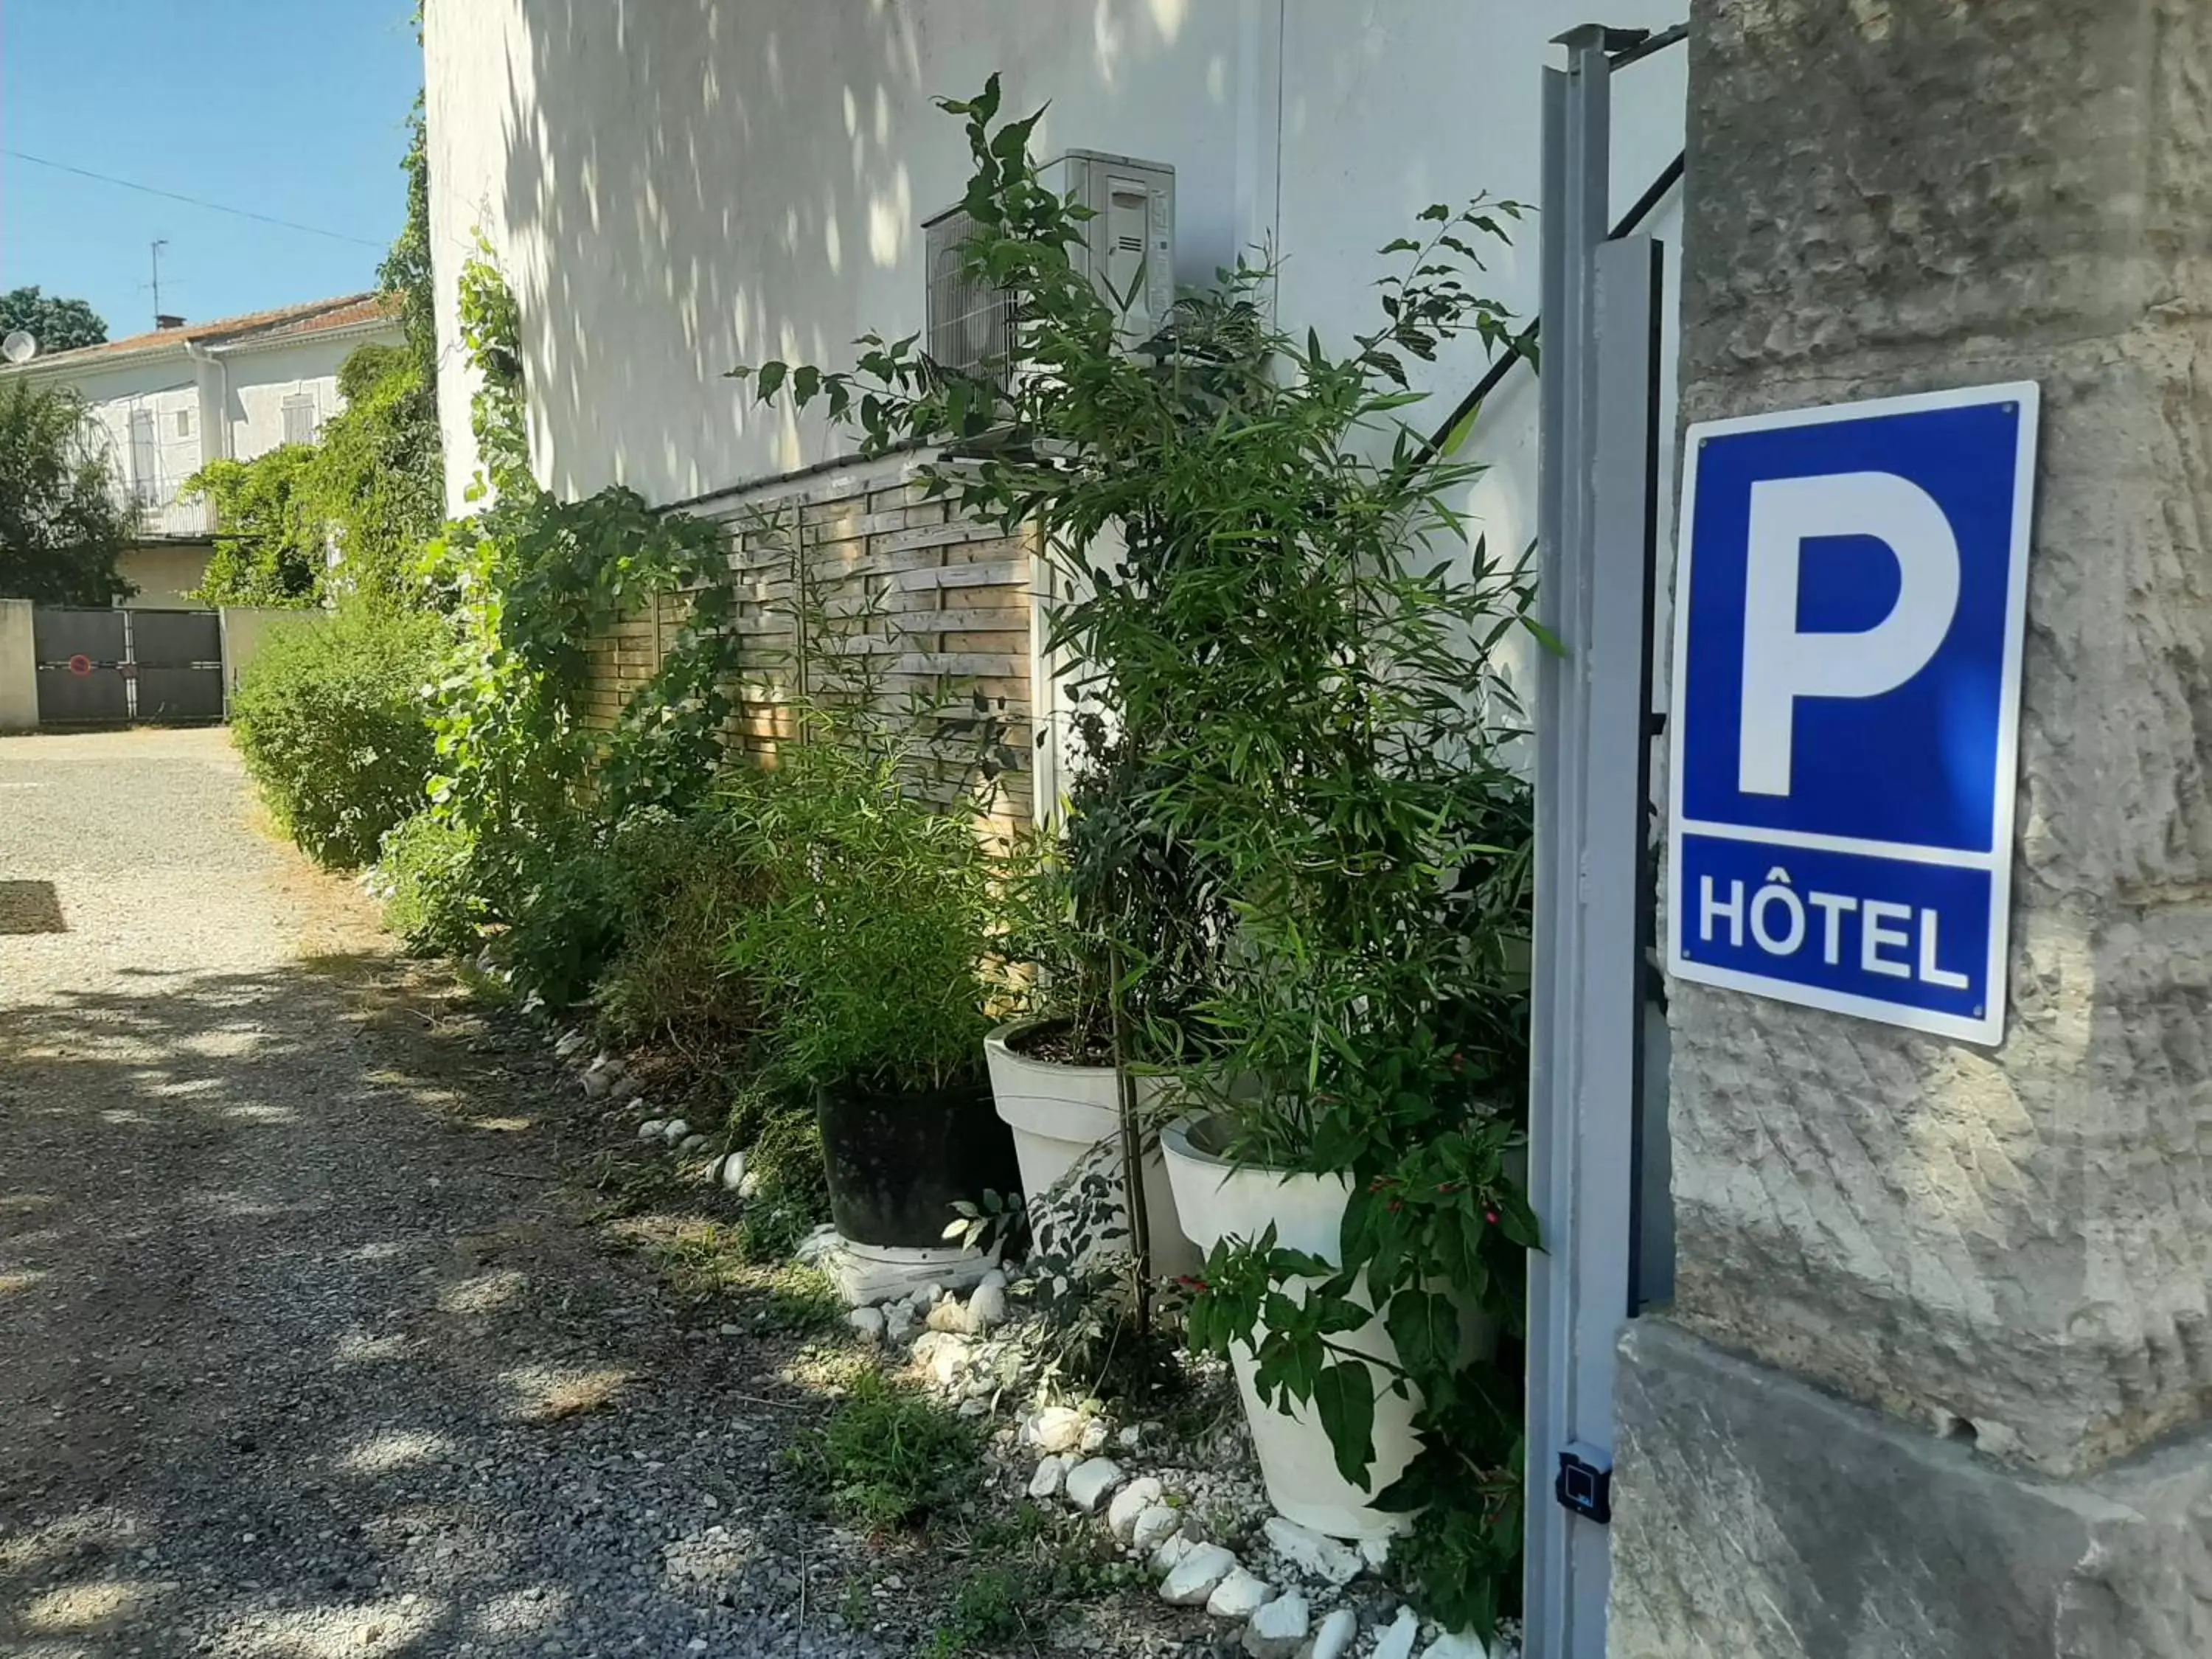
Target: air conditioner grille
(970,322)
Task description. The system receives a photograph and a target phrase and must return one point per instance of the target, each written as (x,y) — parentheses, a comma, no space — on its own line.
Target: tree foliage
(63,520)
(271,545)
(57,324)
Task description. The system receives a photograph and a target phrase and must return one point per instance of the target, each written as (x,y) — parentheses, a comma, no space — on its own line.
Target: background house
(165,402)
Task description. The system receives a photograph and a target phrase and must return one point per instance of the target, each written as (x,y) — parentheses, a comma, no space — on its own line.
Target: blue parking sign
(1847,621)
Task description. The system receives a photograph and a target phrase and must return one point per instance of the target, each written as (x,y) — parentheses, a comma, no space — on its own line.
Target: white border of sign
(1990,1028)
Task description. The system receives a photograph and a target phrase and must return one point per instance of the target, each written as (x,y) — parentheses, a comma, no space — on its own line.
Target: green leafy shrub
(683,884)
(563,913)
(329,716)
(423,878)
(872,948)
(889,1455)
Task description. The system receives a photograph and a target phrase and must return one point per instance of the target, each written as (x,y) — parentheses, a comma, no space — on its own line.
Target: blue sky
(293,108)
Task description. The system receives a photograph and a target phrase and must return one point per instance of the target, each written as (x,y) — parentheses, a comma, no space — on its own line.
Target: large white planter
(1218,1201)
(1064,1116)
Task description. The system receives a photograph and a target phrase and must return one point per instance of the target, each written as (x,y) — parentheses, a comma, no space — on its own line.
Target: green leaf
(769,379)
(1344,1398)
(1425,1326)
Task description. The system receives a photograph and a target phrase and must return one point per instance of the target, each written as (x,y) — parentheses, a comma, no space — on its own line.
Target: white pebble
(691,1143)
(1089,1483)
(1456,1645)
(1094,1434)
(1375,1552)
(987,1307)
(1239,1597)
(674,1130)
(1194,1577)
(1056,1429)
(949,1316)
(1279,1629)
(868,1322)
(1131,1502)
(651,1128)
(1310,1552)
(1397,1642)
(1154,1526)
(733,1170)
(1333,1639)
(1051,1475)
(1172,1549)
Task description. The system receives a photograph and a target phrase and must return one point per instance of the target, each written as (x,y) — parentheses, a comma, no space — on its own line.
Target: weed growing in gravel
(1041,1564)
(889,1455)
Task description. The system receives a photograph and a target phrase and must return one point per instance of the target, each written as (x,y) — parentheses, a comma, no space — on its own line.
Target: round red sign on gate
(80,663)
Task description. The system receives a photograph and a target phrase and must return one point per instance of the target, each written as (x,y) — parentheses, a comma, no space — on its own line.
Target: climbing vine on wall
(531,581)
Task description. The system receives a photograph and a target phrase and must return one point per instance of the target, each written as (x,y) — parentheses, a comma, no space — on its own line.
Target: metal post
(1596,519)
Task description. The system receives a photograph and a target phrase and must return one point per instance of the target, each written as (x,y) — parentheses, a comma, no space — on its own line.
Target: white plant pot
(1067,1116)
(1219,1201)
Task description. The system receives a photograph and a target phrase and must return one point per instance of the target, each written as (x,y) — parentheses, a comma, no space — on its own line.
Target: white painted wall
(679,186)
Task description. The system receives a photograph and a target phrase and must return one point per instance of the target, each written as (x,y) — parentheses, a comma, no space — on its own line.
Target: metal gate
(108,667)
(81,656)
(177,656)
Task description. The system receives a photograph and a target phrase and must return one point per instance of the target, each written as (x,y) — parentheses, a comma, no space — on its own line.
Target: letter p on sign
(1848,612)
(1781,662)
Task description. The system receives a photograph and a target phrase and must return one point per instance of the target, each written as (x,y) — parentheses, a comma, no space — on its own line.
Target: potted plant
(1065,1073)
(1278,615)
(871,959)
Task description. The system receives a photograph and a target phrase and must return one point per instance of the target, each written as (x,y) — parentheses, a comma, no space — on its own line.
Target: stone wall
(2010,1248)
(899,597)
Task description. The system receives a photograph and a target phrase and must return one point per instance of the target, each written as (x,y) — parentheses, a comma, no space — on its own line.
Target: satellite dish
(19,347)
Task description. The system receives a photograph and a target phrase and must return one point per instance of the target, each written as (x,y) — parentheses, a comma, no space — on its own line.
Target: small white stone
(1056,1429)
(593,1084)
(1171,1550)
(948,1315)
(651,1128)
(1397,1642)
(1193,1578)
(928,1297)
(943,1355)
(1089,1483)
(1239,1597)
(733,1172)
(1155,1527)
(691,1143)
(987,1307)
(1310,1552)
(1278,1629)
(1454,1644)
(1333,1639)
(1132,1501)
(674,1130)
(1051,1475)
(1094,1434)
(898,1321)
(1375,1552)
(1129,1438)
(975,1406)
(868,1322)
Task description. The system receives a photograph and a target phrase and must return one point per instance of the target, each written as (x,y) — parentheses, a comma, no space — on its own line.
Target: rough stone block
(1758,1515)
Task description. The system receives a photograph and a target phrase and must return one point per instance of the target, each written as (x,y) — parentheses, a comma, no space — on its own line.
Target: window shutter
(300,418)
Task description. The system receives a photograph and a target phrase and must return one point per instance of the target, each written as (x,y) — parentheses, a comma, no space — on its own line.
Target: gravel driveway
(303,1349)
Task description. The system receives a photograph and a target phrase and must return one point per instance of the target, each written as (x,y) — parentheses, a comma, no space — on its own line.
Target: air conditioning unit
(1128,251)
